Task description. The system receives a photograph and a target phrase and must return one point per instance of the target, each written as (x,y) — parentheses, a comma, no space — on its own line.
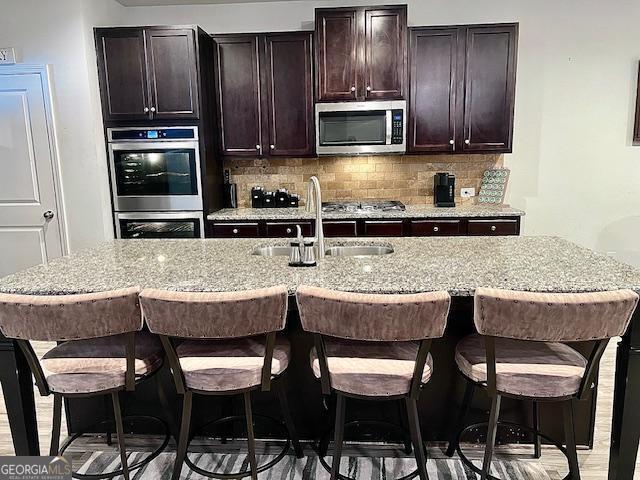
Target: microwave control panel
(397,127)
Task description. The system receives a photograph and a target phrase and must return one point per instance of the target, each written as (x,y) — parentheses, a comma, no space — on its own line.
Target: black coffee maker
(444,187)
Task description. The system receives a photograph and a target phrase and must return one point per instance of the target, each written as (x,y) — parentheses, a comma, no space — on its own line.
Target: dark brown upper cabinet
(172,73)
(264,88)
(433,77)
(462,88)
(636,130)
(147,73)
(361,53)
(490,84)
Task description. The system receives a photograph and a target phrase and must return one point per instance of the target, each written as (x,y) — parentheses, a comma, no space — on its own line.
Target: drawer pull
(289,230)
(235,230)
(436,229)
(493,228)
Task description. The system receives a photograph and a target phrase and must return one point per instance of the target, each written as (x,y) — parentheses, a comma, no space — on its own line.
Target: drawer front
(340,229)
(276,229)
(427,228)
(239,230)
(383,228)
(494,227)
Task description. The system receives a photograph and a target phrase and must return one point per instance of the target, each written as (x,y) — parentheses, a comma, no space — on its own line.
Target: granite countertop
(412,211)
(456,264)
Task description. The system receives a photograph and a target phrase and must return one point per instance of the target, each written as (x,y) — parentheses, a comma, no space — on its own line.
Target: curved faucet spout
(314,198)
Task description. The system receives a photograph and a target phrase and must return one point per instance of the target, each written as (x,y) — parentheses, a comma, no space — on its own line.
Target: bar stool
(104,353)
(223,344)
(366,347)
(520,352)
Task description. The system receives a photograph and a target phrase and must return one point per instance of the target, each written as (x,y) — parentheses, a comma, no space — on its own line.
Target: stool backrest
(373,317)
(553,317)
(216,314)
(70,317)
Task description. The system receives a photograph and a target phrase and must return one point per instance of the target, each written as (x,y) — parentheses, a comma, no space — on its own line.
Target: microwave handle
(389,126)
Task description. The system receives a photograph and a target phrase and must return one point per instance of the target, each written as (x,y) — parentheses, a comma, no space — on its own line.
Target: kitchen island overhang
(456,264)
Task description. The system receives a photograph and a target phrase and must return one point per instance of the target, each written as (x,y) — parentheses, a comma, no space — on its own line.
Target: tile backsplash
(408,178)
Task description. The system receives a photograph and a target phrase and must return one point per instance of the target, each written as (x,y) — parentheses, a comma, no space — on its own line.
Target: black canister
(257,194)
(269,200)
(282,198)
(294,200)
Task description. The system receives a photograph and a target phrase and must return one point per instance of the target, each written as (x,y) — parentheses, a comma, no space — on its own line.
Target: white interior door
(30,226)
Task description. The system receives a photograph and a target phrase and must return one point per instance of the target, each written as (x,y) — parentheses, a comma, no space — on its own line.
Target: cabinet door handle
(289,230)
(235,230)
(493,228)
(368,88)
(451,142)
(272,147)
(146,109)
(467,141)
(153,109)
(353,89)
(436,229)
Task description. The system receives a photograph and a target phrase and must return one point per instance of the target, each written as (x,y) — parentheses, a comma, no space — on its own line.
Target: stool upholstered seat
(229,364)
(531,369)
(97,364)
(377,369)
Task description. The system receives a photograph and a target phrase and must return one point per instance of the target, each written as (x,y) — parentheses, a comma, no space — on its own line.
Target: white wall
(574,170)
(59,33)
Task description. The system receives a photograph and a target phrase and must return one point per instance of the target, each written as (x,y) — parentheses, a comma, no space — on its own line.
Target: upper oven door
(358,128)
(155,176)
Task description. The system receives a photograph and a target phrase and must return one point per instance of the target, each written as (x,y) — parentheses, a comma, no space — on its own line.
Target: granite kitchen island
(456,264)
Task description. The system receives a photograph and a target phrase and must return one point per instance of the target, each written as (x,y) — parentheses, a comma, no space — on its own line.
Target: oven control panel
(175,133)
(397,127)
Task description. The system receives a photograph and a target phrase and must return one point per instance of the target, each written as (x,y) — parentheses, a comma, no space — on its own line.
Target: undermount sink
(359,250)
(341,251)
(281,251)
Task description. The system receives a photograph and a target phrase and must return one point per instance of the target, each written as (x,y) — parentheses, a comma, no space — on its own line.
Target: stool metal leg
(55,430)
(120,431)
(569,434)
(404,422)
(537,441)
(338,436)
(469,391)
(491,436)
(416,437)
(183,441)
(251,440)
(288,420)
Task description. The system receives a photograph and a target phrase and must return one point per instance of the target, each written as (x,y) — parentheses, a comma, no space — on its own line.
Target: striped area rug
(308,468)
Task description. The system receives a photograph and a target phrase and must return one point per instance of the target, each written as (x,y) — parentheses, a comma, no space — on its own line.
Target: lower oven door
(160,225)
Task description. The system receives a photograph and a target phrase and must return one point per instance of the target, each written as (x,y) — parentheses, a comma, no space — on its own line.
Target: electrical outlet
(467,192)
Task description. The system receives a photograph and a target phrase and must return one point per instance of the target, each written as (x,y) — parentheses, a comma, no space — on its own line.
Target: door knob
(146,109)
(153,109)
(48,215)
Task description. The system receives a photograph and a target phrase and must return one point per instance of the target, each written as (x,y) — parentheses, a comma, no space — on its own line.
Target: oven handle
(140,146)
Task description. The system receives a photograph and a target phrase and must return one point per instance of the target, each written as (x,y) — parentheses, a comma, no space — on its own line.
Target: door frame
(45,73)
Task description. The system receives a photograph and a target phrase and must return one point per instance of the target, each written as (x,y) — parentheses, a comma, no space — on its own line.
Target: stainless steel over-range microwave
(361,128)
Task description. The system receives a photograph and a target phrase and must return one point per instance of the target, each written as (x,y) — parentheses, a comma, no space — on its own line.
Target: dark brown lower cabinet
(493,227)
(425,228)
(384,227)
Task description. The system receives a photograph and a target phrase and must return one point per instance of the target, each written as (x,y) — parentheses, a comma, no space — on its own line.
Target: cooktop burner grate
(363,206)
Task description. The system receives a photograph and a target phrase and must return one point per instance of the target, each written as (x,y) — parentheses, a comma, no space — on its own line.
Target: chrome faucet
(314,197)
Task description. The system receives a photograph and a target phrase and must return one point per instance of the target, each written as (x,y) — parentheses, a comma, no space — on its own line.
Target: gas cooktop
(363,206)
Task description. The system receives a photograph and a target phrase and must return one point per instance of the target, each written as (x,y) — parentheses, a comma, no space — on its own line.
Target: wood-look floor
(593,463)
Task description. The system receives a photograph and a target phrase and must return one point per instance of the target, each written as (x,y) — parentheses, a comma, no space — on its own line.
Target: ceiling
(136,3)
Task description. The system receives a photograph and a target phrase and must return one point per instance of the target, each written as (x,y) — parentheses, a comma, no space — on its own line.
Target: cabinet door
(340,228)
(282,229)
(238,95)
(123,73)
(433,79)
(235,230)
(385,47)
(337,54)
(504,226)
(383,228)
(490,65)
(428,228)
(289,94)
(173,71)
